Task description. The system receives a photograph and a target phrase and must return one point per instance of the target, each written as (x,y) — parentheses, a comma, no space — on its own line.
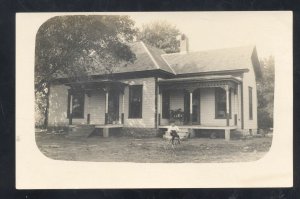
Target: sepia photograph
(109,89)
(153,94)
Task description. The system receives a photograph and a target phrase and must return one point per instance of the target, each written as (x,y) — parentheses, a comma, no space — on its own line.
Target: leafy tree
(160,34)
(265,93)
(76,46)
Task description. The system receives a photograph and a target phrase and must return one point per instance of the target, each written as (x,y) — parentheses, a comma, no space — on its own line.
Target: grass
(150,150)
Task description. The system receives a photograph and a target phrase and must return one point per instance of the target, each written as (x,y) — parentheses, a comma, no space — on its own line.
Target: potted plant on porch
(177,116)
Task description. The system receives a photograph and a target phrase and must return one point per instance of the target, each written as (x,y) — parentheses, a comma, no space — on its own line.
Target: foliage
(160,34)
(265,93)
(76,46)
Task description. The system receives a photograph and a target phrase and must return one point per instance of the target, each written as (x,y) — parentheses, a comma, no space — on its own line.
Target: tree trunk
(45,125)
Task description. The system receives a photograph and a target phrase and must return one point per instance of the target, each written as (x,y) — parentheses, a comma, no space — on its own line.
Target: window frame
(81,115)
(217,89)
(250,98)
(140,115)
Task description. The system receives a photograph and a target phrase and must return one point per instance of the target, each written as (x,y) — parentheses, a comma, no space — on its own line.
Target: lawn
(150,150)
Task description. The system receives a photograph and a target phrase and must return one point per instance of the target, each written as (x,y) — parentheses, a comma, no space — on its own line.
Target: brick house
(214,89)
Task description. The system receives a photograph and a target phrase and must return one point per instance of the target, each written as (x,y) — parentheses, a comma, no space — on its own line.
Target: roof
(211,60)
(147,58)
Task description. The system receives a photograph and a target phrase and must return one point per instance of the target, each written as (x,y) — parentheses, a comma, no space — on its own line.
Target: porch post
(106,107)
(191,107)
(238,104)
(235,100)
(159,107)
(71,110)
(227,105)
(123,108)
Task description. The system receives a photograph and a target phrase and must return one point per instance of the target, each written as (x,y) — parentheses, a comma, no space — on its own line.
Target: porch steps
(80,130)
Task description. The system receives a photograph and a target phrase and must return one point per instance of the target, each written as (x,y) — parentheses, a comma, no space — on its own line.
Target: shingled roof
(226,59)
(147,58)
(212,60)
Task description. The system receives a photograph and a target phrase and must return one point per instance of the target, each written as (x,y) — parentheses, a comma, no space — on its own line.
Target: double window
(76,105)
(135,101)
(220,103)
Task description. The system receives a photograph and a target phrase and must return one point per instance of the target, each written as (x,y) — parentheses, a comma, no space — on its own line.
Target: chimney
(184,44)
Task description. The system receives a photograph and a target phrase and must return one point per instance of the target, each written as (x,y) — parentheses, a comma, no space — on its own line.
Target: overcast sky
(271,32)
(211,30)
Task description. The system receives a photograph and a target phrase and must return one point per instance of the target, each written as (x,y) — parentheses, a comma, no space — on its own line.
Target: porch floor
(109,126)
(200,127)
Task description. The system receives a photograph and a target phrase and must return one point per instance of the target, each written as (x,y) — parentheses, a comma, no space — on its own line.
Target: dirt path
(120,149)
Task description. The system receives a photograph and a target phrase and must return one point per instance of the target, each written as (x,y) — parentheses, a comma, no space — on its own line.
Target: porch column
(123,107)
(159,101)
(235,102)
(106,107)
(238,100)
(227,105)
(71,110)
(191,107)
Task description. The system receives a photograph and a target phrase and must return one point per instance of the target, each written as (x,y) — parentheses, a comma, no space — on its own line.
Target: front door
(186,115)
(113,107)
(196,107)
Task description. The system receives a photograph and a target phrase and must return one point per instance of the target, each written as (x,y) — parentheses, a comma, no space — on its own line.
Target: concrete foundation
(106,132)
(227,134)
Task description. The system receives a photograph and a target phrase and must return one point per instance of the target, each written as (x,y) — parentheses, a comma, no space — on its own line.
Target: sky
(269,31)
(212,30)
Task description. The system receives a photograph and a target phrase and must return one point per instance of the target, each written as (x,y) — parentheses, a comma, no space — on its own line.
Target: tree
(160,34)
(265,93)
(76,46)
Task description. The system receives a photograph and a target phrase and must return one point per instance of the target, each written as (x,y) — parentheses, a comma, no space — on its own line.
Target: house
(213,89)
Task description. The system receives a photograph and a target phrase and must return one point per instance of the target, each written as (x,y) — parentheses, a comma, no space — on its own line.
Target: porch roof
(96,84)
(200,79)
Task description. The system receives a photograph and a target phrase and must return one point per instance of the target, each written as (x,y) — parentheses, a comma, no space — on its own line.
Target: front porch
(101,104)
(104,104)
(195,103)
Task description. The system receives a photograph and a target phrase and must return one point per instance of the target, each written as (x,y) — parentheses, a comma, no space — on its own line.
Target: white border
(35,171)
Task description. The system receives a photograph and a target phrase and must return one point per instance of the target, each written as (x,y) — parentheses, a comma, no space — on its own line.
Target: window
(166,105)
(220,103)
(250,104)
(135,101)
(77,105)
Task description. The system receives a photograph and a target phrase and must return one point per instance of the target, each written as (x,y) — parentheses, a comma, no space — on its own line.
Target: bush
(264,119)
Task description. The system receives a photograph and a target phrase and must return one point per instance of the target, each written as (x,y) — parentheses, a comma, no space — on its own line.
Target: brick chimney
(184,44)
